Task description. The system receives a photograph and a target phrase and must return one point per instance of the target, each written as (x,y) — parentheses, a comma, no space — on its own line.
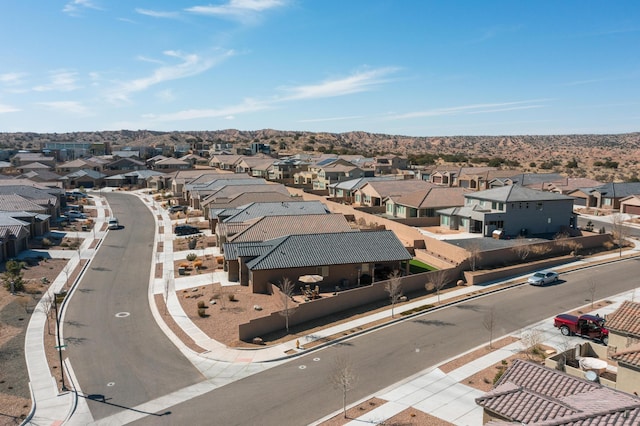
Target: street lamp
(59,346)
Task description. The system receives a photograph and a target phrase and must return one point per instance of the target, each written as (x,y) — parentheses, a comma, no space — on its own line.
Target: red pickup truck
(591,326)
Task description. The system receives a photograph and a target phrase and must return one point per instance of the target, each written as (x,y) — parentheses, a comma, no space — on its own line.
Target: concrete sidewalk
(222,365)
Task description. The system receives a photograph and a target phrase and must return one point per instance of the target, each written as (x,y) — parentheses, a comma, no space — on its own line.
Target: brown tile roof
(532,394)
(388,188)
(437,197)
(266,228)
(629,355)
(236,200)
(625,319)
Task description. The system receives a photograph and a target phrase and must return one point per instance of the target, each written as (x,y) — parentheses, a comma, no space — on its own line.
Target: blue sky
(409,67)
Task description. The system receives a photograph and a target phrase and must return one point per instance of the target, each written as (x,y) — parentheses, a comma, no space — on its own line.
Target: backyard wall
(342,301)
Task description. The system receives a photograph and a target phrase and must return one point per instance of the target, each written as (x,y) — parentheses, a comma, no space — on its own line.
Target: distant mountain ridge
(556,150)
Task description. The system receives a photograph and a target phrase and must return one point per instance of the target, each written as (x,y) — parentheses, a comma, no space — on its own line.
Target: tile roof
(625,319)
(36,193)
(516,193)
(618,189)
(298,251)
(244,199)
(15,202)
(629,355)
(269,227)
(388,188)
(352,184)
(284,208)
(532,394)
(436,197)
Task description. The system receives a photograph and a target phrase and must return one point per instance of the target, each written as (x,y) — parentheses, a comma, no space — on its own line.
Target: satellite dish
(591,376)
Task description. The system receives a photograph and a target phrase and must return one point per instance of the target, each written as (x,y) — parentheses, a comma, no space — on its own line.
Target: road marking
(111,384)
(302,367)
(316,359)
(122,314)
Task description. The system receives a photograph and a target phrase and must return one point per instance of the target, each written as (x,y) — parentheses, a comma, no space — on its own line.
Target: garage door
(632,209)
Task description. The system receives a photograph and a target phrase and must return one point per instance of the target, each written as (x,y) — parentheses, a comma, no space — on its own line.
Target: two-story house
(513,209)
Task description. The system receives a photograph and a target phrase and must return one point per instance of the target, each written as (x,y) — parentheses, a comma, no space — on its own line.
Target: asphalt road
(118,353)
(300,392)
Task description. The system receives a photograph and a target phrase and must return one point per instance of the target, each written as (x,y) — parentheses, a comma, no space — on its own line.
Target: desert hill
(603,157)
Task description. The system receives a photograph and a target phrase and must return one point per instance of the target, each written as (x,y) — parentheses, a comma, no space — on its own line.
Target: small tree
(474,250)
(619,231)
(523,249)
(489,323)
(394,288)
(531,341)
(344,379)
(540,250)
(12,277)
(286,294)
(437,280)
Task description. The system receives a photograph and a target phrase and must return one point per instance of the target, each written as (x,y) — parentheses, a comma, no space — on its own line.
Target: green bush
(191,257)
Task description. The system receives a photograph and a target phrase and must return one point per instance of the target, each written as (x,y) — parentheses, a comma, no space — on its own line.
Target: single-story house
(342,259)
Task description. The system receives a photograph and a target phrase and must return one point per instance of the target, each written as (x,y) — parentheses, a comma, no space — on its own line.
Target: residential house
(217,205)
(137,178)
(607,196)
(171,164)
(14,236)
(41,176)
(195,160)
(151,161)
(224,195)
(343,259)
(284,208)
(94,164)
(335,171)
(33,214)
(85,178)
(424,203)
(257,166)
(478,178)
(569,184)
(283,170)
(514,210)
(346,190)
(50,198)
(126,154)
(624,345)
(532,394)
(530,180)
(195,193)
(630,204)
(125,164)
(225,162)
(374,192)
(33,167)
(389,164)
(24,158)
(268,227)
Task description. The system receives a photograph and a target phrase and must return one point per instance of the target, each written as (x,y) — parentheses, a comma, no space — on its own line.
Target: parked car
(74,214)
(113,223)
(186,230)
(590,326)
(176,209)
(543,277)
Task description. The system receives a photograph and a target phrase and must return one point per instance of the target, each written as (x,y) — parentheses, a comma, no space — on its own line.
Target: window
(539,206)
(607,201)
(445,220)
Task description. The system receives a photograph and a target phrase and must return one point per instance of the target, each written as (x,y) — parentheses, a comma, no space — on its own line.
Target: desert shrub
(215,296)
(46,242)
(231,297)
(197,264)
(200,304)
(191,257)
(184,265)
(499,374)
(202,313)
(220,260)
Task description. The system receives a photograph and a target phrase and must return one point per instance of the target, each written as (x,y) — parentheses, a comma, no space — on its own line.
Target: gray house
(514,210)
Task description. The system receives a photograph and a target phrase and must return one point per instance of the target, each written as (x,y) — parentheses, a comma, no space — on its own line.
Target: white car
(543,277)
(113,223)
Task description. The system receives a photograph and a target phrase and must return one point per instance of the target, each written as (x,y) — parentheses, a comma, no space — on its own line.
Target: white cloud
(165,95)
(237,9)
(8,108)
(61,80)
(359,82)
(74,6)
(71,107)
(158,14)
(192,64)
(12,78)
(249,105)
(470,109)
(320,120)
